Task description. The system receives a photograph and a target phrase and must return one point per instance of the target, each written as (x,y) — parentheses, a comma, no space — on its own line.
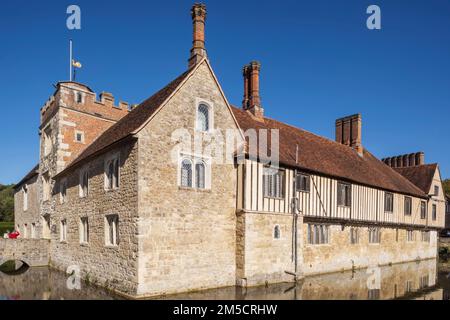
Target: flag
(76,64)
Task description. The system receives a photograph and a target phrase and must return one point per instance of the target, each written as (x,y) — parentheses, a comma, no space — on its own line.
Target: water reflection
(45,284)
(418,280)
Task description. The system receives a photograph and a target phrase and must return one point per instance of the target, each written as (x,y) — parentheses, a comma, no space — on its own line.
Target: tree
(6,202)
(446,184)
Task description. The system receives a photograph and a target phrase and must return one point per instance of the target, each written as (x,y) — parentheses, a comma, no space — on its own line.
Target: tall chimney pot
(198,51)
(252,99)
(349,132)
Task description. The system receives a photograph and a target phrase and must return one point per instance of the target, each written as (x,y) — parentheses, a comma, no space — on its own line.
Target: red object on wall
(14,235)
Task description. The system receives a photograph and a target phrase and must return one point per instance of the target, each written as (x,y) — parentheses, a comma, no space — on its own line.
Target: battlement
(81,98)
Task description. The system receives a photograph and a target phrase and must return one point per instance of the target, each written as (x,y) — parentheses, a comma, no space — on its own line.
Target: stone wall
(260,257)
(341,255)
(28,219)
(186,236)
(34,252)
(111,266)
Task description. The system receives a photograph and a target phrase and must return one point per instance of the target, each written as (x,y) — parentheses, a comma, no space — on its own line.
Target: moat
(416,280)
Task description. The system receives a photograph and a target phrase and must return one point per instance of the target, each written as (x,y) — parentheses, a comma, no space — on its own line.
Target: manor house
(119,191)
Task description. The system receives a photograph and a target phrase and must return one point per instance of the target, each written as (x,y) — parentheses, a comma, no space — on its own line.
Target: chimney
(420,158)
(406,160)
(252,99)
(198,51)
(349,132)
(246,74)
(412,159)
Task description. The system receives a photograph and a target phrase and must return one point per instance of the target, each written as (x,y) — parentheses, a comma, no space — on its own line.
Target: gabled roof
(34,172)
(316,154)
(422,176)
(130,122)
(326,157)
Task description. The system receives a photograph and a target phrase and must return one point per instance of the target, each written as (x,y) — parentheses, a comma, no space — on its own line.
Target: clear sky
(319,62)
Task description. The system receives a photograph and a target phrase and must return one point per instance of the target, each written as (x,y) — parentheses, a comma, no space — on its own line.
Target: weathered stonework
(28,222)
(33,252)
(112,266)
(340,254)
(186,236)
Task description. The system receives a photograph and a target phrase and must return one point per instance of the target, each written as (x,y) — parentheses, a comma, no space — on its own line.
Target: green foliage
(6,226)
(446,184)
(6,203)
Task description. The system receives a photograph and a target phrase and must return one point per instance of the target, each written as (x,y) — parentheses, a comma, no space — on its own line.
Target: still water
(417,280)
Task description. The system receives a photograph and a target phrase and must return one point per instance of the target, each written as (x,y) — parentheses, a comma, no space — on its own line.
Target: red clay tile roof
(323,156)
(29,175)
(317,154)
(129,123)
(422,176)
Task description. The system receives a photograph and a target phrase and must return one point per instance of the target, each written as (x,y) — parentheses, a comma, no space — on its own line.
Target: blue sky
(319,62)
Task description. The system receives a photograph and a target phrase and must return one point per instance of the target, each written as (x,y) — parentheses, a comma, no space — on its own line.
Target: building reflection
(416,280)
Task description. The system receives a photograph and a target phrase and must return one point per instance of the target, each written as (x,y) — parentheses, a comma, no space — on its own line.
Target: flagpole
(71,57)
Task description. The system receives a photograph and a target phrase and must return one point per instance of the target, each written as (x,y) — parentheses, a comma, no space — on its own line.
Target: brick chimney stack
(198,51)
(252,99)
(349,132)
(406,160)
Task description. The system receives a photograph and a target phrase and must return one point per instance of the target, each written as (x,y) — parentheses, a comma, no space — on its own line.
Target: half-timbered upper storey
(338,180)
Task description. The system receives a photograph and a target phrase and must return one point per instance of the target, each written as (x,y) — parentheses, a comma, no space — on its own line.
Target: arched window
(200,175)
(276,232)
(186,173)
(203,117)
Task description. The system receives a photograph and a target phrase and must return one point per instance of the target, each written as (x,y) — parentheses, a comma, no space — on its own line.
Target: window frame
(112,221)
(82,192)
(407,212)
(25,198)
(84,230)
(436,191)
(410,236)
(276,228)
(194,160)
(75,138)
(210,108)
(386,209)
(274,194)
(347,197)
(63,187)
(434,212)
(423,210)
(354,235)
(299,185)
(112,183)
(374,235)
(318,234)
(63,230)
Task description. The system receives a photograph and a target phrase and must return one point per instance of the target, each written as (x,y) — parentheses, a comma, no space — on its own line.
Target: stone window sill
(113,247)
(194,189)
(84,244)
(63,242)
